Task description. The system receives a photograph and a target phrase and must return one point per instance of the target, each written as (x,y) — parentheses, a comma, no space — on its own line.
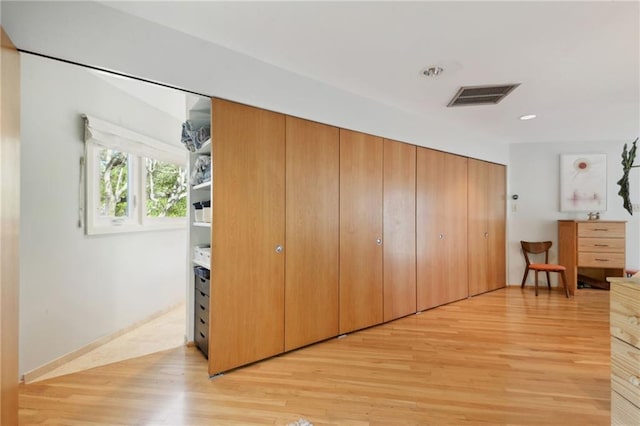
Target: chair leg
(548,280)
(564,281)
(536,271)
(524,278)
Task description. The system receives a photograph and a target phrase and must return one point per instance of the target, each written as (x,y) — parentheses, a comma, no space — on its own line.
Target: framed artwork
(583,182)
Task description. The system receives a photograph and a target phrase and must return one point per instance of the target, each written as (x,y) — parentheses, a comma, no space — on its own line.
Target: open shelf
(203,185)
(200,263)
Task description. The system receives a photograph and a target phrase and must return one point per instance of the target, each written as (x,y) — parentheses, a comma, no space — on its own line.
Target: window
(133,183)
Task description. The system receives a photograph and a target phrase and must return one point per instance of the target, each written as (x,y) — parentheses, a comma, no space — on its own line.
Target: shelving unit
(199,112)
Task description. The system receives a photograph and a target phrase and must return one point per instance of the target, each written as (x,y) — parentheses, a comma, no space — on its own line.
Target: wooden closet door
(312,232)
(361,159)
(399,248)
(487,198)
(497,224)
(441,228)
(247,275)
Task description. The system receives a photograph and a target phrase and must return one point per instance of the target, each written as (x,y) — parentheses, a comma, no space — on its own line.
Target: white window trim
(100,134)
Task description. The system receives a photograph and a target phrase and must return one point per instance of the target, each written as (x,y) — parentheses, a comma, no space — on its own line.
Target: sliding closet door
(442,228)
(312,225)
(247,275)
(360,230)
(399,248)
(487,200)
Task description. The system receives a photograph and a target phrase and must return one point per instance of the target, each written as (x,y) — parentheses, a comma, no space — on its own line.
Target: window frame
(103,135)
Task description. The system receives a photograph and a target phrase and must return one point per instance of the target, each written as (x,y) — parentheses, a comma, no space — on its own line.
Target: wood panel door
(441,228)
(497,195)
(247,275)
(399,220)
(9,228)
(361,158)
(312,232)
(487,198)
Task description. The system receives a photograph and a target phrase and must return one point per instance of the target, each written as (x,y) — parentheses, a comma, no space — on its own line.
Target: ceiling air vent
(481,95)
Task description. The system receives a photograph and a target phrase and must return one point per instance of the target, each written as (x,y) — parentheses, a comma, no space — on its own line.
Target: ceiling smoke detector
(481,95)
(433,71)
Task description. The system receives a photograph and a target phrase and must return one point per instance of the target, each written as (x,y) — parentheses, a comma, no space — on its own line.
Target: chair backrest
(529,247)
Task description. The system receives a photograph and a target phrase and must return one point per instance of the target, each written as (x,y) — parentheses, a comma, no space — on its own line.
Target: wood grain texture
(9,228)
(441,228)
(497,196)
(361,162)
(247,275)
(399,223)
(593,249)
(487,226)
(499,358)
(567,249)
(312,232)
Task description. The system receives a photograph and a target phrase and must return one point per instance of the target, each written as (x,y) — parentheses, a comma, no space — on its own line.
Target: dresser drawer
(202,303)
(601,260)
(625,312)
(601,229)
(601,245)
(202,338)
(623,413)
(625,370)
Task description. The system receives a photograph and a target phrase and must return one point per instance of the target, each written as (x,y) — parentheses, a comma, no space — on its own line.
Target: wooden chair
(537,248)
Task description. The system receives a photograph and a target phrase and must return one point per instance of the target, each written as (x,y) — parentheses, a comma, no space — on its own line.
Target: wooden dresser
(593,249)
(625,351)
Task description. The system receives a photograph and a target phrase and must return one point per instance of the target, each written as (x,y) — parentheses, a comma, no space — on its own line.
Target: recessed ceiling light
(433,71)
(528,117)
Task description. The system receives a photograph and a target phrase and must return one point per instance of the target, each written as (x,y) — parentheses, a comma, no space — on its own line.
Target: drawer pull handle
(635,381)
(602,260)
(601,229)
(201,335)
(633,320)
(601,245)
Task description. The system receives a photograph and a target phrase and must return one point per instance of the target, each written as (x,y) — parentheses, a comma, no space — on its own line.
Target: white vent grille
(481,95)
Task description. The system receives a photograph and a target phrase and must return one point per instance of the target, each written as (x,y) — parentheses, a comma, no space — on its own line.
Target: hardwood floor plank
(504,357)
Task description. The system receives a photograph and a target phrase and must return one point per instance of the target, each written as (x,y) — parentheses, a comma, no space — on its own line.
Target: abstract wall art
(583,182)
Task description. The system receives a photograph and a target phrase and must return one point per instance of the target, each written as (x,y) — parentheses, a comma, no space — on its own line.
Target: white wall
(93,34)
(534,174)
(75,288)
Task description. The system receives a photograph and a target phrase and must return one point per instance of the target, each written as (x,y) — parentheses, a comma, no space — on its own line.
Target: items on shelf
(193,139)
(202,254)
(202,211)
(201,170)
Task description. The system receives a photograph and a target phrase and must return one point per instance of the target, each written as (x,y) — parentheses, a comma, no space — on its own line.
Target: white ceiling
(577,62)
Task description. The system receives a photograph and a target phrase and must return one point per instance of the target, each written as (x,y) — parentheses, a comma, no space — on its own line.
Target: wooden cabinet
(312,232)
(346,203)
(625,351)
(487,221)
(441,199)
(399,239)
(591,251)
(361,161)
(247,277)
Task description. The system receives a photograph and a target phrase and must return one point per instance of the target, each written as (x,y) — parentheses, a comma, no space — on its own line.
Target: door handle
(279,249)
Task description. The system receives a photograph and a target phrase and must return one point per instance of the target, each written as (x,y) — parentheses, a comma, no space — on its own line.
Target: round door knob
(635,381)
(441,236)
(486,235)
(279,249)
(379,241)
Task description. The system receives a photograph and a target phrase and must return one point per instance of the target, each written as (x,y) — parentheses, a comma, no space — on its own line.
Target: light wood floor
(506,357)
(162,333)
